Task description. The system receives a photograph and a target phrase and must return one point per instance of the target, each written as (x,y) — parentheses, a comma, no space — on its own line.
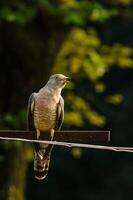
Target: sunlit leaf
(76,152)
(115,99)
(73,118)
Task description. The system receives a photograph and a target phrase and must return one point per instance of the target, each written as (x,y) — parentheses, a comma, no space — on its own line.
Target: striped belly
(45,118)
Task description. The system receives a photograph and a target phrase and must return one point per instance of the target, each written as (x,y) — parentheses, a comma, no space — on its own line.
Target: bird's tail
(41,167)
(41,163)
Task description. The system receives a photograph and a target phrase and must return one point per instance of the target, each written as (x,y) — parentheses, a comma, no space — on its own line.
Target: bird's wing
(30,112)
(59,114)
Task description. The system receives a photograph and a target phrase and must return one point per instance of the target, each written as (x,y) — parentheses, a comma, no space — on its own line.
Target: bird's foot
(52,134)
(38,133)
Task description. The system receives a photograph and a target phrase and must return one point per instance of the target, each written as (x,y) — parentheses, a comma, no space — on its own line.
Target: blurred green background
(92,42)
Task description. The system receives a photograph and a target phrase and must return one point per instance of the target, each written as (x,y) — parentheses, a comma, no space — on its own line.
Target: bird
(45,112)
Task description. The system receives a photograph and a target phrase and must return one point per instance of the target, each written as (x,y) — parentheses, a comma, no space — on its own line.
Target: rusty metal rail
(61,136)
(66,138)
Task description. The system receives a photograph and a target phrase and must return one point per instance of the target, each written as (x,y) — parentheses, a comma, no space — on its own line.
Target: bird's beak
(68,79)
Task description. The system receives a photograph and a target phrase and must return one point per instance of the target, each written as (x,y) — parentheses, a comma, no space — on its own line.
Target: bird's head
(58,80)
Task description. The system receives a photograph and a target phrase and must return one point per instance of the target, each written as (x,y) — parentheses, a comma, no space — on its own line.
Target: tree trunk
(15,186)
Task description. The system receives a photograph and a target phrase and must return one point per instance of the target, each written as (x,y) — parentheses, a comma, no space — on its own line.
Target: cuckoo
(46,113)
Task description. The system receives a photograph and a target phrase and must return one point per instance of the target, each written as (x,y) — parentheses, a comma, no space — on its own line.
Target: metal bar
(61,136)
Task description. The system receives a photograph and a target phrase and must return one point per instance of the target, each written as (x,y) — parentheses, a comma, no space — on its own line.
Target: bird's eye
(56,77)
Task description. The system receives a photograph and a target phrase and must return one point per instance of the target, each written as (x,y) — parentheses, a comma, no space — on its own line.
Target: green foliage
(91,42)
(73,11)
(76,152)
(124,2)
(21,15)
(13,121)
(115,99)
(84,56)
(81,111)
(80,12)
(101,14)
(118,54)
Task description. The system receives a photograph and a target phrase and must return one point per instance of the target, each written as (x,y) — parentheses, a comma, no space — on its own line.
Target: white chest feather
(45,111)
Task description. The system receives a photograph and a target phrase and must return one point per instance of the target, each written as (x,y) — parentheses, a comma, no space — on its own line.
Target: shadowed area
(91,42)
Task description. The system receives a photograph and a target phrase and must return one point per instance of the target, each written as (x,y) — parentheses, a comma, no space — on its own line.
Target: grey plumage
(46,113)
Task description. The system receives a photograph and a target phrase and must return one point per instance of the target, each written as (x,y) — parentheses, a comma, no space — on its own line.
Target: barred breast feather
(45,111)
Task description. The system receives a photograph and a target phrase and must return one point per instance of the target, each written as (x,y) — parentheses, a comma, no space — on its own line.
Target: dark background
(90,41)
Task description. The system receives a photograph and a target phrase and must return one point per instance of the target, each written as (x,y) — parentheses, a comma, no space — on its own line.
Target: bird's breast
(45,114)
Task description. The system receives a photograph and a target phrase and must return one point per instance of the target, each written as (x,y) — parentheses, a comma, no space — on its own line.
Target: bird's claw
(52,134)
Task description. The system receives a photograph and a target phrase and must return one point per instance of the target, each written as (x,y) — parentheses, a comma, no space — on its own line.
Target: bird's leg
(52,131)
(38,133)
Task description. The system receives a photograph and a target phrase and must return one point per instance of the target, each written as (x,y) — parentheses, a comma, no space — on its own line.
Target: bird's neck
(53,92)
(53,88)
